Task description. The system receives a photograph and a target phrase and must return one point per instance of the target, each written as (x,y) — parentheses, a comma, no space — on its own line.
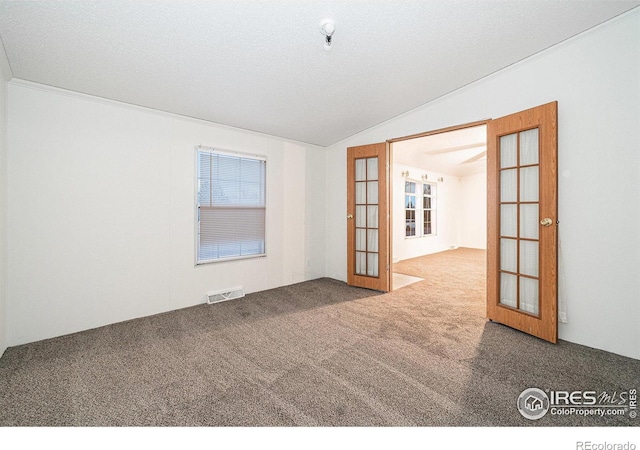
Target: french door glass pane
(508,220)
(361,239)
(372,264)
(529,221)
(529,184)
(508,289)
(361,216)
(509,185)
(508,150)
(372,240)
(372,217)
(529,258)
(361,193)
(372,192)
(529,147)
(361,263)
(372,169)
(361,170)
(509,255)
(529,295)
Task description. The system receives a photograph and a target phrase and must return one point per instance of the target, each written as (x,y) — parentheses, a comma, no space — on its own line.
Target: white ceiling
(260,65)
(459,153)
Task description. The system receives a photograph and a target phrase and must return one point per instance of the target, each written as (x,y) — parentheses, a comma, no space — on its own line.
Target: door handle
(546,222)
(349,216)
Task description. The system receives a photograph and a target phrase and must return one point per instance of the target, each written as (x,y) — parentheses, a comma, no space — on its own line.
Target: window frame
(419,208)
(414,209)
(432,196)
(196,208)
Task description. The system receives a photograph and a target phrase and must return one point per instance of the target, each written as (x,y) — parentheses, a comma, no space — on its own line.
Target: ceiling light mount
(327,29)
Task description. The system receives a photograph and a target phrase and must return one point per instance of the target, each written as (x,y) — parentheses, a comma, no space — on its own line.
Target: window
(428,209)
(230,203)
(410,208)
(422,214)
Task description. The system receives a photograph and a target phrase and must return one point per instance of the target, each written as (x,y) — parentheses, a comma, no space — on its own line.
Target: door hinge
(387,166)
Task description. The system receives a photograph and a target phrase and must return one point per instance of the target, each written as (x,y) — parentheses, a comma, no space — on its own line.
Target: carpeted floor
(314,353)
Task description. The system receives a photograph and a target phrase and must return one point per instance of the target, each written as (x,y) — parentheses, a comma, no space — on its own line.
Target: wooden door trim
(440,130)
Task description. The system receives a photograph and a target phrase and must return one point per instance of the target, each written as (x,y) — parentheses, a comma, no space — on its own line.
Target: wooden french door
(522,221)
(368,216)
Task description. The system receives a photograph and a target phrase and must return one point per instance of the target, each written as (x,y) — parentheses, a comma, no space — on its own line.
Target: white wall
(101,212)
(473,211)
(5,75)
(447,213)
(594,77)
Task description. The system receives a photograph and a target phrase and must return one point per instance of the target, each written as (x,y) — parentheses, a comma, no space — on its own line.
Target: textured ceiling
(260,65)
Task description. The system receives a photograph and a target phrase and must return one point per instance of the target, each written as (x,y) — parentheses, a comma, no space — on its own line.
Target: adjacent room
(310,214)
(439,203)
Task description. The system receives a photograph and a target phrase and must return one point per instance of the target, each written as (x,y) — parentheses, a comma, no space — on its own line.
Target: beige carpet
(314,353)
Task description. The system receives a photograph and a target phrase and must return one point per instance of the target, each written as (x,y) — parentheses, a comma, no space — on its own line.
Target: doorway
(522,208)
(438,195)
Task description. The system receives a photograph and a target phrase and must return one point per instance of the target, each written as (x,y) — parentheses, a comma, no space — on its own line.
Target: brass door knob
(349,216)
(546,222)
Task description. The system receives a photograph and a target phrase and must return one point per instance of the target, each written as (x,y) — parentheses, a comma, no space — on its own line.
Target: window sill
(230,258)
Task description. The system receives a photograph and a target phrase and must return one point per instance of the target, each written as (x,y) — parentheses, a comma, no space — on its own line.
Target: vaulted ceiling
(260,65)
(459,152)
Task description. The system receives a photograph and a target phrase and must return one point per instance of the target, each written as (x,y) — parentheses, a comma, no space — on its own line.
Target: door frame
(544,117)
(390,190)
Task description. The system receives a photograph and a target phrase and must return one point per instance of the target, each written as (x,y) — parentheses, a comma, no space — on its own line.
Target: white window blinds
(230,206)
